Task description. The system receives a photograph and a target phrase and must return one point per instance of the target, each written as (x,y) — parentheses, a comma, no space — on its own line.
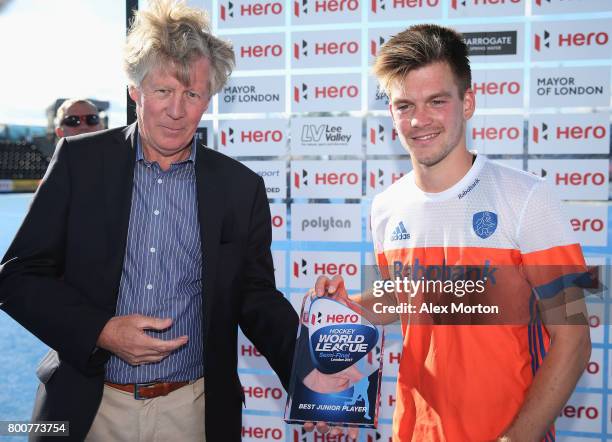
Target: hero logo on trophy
(337,366)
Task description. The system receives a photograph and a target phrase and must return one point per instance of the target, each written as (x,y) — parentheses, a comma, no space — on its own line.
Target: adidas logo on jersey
(400,232)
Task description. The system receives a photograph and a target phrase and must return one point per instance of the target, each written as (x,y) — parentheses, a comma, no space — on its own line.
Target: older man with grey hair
(143,252)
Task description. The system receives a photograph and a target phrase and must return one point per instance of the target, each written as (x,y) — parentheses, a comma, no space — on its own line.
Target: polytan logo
(325,11)
(589,223)
(582,413)
(377,38)
(326,49)
(320,179)
(256,428)
(567,6)
(273,174)
(498,88)
(326,222)
(404,9)
(569,134)
(278,258)
(383,173)
(263,392)
(377,97)
(382,138)
(321,93)
(592,377)
(485,8)
(578,86)
(278,213)
(575,179)
(325,136)
(577,40)
(247,13)
(306,267)
(261,137)
(253,94)
(249,356)
(496,134)
(259,51)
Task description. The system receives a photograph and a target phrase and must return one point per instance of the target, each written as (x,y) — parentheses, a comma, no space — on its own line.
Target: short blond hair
(61,111)
(170,32)
(419,46)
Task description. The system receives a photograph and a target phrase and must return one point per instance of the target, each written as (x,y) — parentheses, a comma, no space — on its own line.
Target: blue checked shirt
(162,270)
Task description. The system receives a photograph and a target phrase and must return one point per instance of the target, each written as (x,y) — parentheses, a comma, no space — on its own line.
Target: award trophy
(337,366)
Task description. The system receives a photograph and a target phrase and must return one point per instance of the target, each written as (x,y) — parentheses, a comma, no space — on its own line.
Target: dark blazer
(60,276)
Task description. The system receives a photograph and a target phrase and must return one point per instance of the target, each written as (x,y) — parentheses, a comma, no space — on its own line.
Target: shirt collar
(140,153)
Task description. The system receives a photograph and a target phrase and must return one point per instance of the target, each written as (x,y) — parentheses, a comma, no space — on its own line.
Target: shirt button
(152,250)
(159,181)
(149,286)
(156,212)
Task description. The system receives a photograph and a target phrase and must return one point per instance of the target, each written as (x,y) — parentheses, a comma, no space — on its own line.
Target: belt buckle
(137,387)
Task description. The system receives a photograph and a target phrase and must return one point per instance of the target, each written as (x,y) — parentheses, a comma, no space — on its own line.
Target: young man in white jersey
(503,381)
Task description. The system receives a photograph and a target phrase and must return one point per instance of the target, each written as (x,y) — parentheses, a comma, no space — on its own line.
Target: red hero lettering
(587,225)
(261,136)
(581,39)
(495,2)
(277,221)
(336,92)
(334,48)
(258,51)
(494,133)
(262,9)
(336,5)
(580,133)
(396,176)
(249,350)
(335,269)
(570,411)
(263,393)
(391,400)
(493,88)
(415,3)
(262,433)
(578,179)
(320,437)
(342,319)
(333,178)
(394,357)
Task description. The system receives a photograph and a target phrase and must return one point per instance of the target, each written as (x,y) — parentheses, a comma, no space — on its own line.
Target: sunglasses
(76,120)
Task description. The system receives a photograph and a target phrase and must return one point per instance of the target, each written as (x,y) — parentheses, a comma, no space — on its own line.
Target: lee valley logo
(324,135)
(490,43)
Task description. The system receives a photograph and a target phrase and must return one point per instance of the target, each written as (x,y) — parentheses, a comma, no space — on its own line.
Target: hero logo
(375,44)
(496,133)
(300,179)
(587,225)
(261,51)
(262,392)
(325,48)
(303,436)
(324,6)
(377,178)
(333,319)
(541,41)
(301,268)
(497,88)
(577,178)
(248,10)
(381,5)
(378,134)
(456,3)
(249,350)
(323,92)
(598,132)
(252,136)
(391,357)
(326,178)
(264,433)
(571,412)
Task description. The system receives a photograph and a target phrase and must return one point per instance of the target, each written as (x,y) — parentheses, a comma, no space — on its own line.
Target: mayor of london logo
(484,223)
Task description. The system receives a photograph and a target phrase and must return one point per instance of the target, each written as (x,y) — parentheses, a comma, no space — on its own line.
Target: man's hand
(125,337)
(331,287)
(323,427)
(332,383)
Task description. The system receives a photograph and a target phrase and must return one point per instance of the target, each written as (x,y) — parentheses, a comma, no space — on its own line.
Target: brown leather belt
(149,390)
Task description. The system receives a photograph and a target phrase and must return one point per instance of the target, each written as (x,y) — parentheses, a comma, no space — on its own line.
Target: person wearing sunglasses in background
(75,117)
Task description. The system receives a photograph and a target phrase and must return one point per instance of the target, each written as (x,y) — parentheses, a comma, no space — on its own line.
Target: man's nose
(420,117)
(176,107)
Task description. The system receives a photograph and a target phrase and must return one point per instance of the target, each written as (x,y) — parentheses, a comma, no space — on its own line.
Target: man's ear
(59,132)
(469,104)
(134,94)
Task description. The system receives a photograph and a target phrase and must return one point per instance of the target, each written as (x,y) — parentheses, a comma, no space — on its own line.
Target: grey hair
(172,33)
(61,111)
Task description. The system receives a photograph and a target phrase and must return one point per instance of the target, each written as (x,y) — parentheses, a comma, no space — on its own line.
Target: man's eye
(162,91)
(438,102)
(192,94)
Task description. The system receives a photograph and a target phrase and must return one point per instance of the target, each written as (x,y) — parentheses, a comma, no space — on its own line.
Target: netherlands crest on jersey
(484,223)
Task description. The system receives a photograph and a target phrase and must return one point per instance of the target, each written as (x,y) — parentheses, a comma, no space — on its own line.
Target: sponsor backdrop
(303,111)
